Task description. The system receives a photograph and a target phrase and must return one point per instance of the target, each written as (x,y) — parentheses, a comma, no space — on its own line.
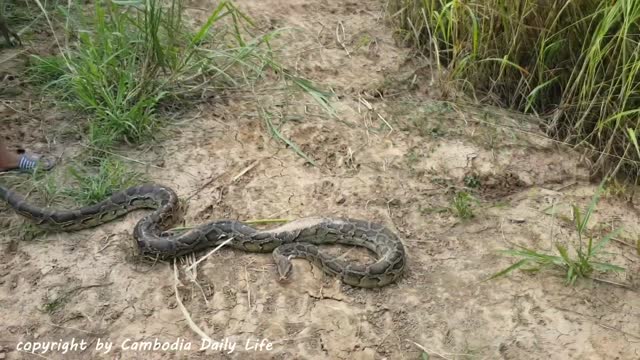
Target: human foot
(25,162)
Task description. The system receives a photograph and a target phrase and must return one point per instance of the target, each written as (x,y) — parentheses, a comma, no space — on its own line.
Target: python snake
(296,239)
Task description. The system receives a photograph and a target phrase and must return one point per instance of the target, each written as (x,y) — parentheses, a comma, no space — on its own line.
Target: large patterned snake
(296,239)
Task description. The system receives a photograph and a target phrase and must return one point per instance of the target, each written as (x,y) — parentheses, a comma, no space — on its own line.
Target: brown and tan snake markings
(297,239)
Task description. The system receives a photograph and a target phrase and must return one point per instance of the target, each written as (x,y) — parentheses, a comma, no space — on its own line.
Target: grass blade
(278,135)
(605,240)
(508,270)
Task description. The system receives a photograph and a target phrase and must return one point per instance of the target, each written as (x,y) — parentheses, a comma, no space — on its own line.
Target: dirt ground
(395,154)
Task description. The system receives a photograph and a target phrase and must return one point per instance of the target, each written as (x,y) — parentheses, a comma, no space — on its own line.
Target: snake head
(283,263)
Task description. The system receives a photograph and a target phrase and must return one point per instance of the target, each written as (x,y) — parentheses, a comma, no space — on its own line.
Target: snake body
(296,239)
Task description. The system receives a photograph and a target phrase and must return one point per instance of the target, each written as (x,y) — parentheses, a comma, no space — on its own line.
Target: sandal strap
(28,163)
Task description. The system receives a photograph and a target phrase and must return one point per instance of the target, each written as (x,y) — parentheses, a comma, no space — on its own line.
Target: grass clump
(462,205)
(575,63)
(129,58)
(108,177)
(581,264)
(79,184)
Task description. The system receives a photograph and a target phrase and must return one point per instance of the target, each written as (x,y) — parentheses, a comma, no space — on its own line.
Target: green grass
(577,64)
(132,57)
(49,72)
(581,264)
(71,186)
(79,184)
(462,205)
(471,181)
(93,185)
(51,305)
(124,66)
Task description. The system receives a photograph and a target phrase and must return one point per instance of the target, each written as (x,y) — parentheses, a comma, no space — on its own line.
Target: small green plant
(472,181)
(462,205)
(614,188)
(51,305)
(582,265)
(364,42)
(111,175)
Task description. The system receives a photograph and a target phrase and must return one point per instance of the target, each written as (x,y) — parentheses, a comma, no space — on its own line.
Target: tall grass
(131,57)
(576,63)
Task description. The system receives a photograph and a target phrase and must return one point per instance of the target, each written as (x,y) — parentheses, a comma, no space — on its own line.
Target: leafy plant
(579,266)
(462,205)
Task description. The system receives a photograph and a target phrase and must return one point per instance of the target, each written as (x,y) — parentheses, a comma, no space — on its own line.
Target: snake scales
(297,239)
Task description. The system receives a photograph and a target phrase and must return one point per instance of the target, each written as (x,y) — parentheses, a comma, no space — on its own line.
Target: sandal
(28,163)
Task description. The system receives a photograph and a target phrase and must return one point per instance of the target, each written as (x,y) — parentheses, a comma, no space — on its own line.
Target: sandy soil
(395,155)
